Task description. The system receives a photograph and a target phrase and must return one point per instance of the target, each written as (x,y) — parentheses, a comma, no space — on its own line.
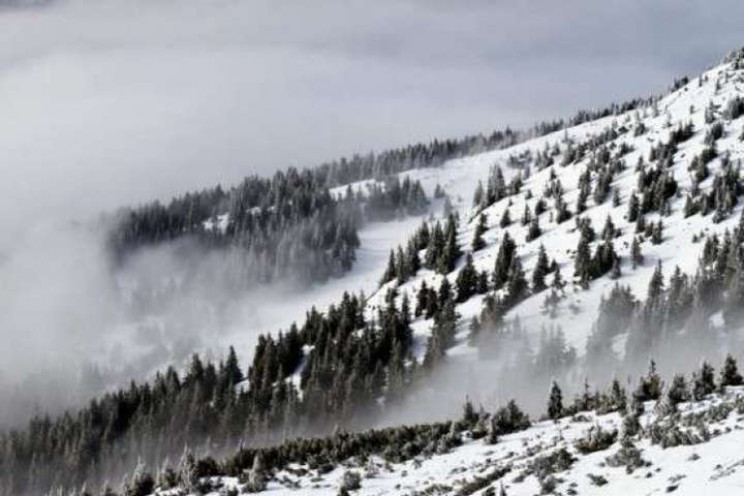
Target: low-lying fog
(118,102)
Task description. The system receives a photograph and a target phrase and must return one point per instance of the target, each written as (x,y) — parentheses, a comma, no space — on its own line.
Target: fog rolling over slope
(117,103)
(590,269)
(180,240)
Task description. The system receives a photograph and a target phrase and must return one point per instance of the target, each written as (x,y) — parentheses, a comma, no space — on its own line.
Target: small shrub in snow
(553,463)
(479,482)
(631,424)
(670,434)
(596,439)
(627,456)
(509,419)
(351,481)
(548,484)
(597,480)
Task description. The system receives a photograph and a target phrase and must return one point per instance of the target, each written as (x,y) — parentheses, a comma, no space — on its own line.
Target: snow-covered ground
(709,462)
(271,310)
(578,311)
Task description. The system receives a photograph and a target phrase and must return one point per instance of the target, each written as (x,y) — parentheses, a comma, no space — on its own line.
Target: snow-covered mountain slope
(693,103)
(459,178)
(693,451)
(675,158)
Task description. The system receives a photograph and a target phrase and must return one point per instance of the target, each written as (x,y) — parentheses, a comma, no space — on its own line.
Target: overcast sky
(105,102)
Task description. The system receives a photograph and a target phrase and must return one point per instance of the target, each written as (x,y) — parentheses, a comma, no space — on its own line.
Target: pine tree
(555,402)
(421,299)
(640,223)
(583,262)
(422,236)
(480,229)
(442,334)
(444,294)
(584,190)
(678,390)
(434,248)
(690,207)
(705,382)
(650,387)
(478,195)
(609,232)
(389,273)
(469,415)
(505,220)
(557,283)
(482,282)
(540,207)
(655,287)
(526,216)
(503,262)
(730,375)
(534,230)
(451,251)
(618,396)
(542,267)
(232,367)
(401,268)
(517,286)
(635,253)
(562,213)
(656,234)
(633,208)
(467,280)
(413,262)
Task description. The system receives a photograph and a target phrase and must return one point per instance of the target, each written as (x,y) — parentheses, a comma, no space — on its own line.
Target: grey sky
(114,101)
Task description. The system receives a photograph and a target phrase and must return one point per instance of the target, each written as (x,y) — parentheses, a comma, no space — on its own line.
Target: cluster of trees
(496,188)
(442,252)
(603,165)
(340,366)
(393,198)
(292,214)
(255,466)
(345,364)
(676,312)
(588,267)
(289,226)
(724,194)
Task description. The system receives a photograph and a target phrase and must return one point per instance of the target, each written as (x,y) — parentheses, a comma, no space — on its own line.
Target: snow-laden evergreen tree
(467,280)
(555,402)
(730,375)
(541,270)
(480,229)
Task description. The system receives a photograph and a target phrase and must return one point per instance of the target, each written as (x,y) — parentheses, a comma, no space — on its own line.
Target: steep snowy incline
(692,451)
(459,178)
(694,103)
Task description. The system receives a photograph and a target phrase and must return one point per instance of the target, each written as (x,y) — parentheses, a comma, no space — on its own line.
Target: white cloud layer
(112,102)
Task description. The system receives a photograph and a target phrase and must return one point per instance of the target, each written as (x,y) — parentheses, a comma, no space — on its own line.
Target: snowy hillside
(459,179)
(691,139)
(568,260)
(691,449)
(578,311)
